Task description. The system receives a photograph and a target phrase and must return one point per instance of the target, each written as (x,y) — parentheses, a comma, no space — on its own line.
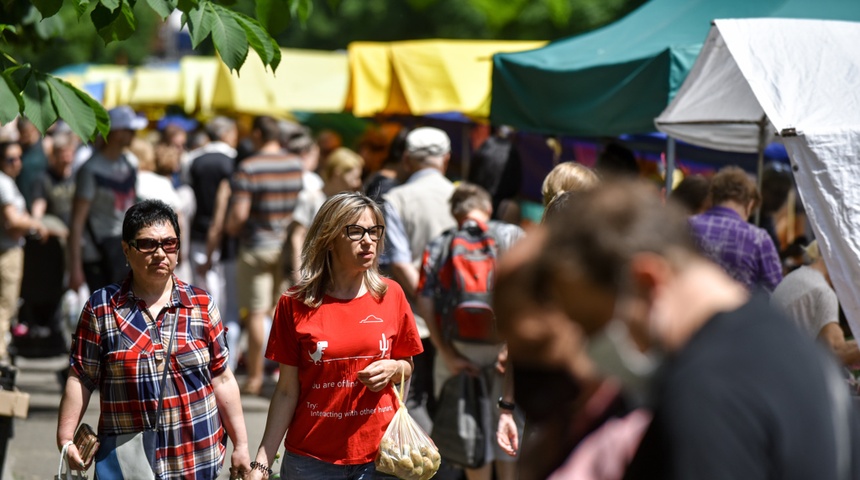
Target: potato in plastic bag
(406,451)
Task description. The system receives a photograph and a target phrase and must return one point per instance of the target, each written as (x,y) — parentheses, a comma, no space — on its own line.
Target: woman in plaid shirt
(119,348)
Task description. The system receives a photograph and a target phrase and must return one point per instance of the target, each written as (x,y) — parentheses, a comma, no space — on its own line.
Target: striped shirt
(271,182)
(119,349)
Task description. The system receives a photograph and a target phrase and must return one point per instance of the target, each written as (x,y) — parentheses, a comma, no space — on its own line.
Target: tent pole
(670,164)
(465,152)
(762,139)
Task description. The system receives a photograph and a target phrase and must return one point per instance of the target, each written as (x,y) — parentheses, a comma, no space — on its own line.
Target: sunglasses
(150,245)
(12,159)
(356,232)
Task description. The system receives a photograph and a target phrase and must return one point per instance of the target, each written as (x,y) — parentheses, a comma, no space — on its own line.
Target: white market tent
(799,79)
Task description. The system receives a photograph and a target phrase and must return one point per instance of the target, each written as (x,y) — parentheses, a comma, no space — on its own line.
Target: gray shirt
(808,299)
(10,195)
(109,186)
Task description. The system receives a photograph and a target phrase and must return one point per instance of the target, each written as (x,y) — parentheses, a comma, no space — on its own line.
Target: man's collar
(423,173)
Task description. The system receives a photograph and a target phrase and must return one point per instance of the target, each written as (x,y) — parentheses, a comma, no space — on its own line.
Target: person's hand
(204,268)
(378,374)
(254,475)
(73,456)
(502,359)
(240,462)
(457,363)
(506,434)
(76,278)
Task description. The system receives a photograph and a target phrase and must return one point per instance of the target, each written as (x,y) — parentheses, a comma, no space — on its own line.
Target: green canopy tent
(618,78)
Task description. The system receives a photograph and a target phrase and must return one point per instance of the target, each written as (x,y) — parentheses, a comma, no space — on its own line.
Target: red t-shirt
(337,419)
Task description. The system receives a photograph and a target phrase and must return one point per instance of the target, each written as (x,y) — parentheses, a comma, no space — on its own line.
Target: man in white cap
(104,190)
(415,213)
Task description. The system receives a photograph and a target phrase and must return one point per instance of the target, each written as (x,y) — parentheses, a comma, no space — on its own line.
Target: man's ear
(649,273)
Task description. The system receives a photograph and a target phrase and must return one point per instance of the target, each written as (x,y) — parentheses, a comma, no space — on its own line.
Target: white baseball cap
(124,118)
(428,141)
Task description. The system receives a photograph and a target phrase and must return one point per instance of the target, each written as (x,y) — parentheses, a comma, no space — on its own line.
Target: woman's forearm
(229,402)
(281,410)
(74,403)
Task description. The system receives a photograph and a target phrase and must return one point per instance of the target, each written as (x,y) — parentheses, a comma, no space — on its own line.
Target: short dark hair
(4,147)
(733,183)
(468,197)
(145,214)
(268,128)
(597,233)
(692,193)
(616,160)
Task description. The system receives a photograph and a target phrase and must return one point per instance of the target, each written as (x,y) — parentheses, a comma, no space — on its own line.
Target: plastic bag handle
(63,459)
(399,394)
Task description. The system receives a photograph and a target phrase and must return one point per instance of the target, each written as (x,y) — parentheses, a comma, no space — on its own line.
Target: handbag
(66,473)
(87,442)
(131,456)
(461,422)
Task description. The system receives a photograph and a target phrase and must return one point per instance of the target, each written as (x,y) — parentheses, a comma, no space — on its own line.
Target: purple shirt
(745,251)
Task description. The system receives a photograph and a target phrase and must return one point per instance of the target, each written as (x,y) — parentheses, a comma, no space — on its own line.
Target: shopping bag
(66,473)
(461,420)
(406,451)
(129,456)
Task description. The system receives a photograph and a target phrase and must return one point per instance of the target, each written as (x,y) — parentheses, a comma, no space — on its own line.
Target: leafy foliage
(36,27)
(51,33)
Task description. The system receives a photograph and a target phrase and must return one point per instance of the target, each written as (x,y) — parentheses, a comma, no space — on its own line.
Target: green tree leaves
(10,101)
(232,33)
(113,24)
(44,98)
(48,8)
(227,35)
(162,7)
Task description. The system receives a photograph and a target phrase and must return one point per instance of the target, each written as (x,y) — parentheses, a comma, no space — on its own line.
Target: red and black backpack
(466,280)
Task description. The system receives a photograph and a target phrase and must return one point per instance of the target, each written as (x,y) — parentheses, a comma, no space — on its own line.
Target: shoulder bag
(460,424)
(131,456)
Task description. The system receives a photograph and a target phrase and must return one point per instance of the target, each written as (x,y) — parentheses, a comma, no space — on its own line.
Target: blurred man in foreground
(736,390)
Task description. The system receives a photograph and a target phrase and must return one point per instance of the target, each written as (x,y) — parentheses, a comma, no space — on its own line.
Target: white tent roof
(803,76)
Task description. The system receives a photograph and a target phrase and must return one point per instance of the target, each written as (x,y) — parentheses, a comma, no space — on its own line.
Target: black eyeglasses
(12,159)
(149,245)
(356,232)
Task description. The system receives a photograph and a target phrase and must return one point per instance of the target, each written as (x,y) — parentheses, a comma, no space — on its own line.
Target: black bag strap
(166,370)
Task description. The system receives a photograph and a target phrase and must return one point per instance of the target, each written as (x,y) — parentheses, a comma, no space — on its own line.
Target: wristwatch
(503,405)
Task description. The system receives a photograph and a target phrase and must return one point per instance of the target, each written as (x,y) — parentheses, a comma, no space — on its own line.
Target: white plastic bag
(406,451)
(69,474)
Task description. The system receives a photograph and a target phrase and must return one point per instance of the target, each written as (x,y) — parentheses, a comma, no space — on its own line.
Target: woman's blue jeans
(300,467)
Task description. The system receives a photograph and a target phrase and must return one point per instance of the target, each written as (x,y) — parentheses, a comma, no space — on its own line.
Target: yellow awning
(116,80)
(155,86)
(197,80)
(425,76)
(306,80)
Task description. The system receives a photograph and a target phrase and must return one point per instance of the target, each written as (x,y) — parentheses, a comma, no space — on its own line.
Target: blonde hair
(336,213)
(340,161)
(812,251)
(567,176)
(145,153)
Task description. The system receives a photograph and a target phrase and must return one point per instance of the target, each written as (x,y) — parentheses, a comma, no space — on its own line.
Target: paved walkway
(32,453)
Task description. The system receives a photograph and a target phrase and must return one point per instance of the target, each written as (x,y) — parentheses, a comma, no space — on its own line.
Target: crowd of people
(633,333)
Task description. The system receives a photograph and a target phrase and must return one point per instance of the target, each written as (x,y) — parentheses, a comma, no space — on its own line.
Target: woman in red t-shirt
(341,335)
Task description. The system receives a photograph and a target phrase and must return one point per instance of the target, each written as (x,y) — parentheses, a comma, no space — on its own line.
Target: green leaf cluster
(38,25)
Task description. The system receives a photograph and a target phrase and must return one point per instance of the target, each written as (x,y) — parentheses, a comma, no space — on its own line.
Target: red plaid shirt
(118,349)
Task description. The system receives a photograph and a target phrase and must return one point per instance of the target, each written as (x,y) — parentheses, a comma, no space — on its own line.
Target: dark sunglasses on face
(12,159)
(149,245)
(356,232)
